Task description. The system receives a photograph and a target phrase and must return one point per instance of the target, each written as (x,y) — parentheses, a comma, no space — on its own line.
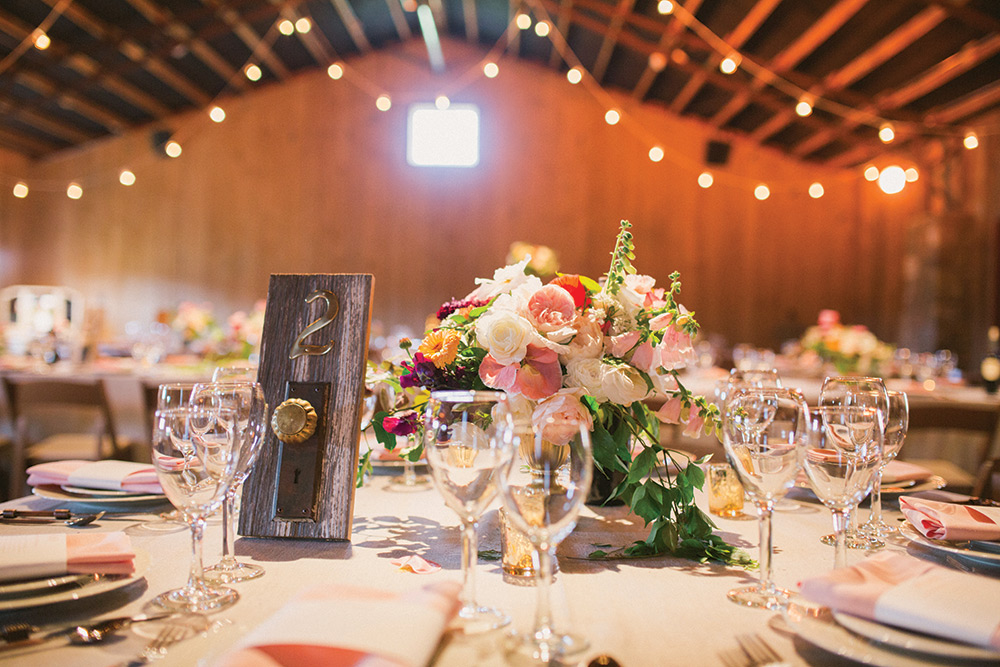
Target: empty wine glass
(842,458)
(194,460)
(468,438)
(739,379)
(245,372)
(895,433)
(247,403)
(173,395)
(542,493)
(869,392)
(762,429)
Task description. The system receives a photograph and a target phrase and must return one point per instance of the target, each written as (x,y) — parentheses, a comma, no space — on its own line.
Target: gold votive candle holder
(725,493)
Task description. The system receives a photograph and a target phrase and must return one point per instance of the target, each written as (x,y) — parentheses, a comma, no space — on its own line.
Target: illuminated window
(443,137)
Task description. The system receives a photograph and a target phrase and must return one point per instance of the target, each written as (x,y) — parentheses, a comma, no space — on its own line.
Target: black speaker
(716,152)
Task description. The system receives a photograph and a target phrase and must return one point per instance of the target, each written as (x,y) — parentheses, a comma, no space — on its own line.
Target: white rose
(588,343)
(504,334)
(588,374)
(624,386)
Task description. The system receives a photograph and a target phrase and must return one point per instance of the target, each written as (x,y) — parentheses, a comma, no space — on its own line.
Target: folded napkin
(341,626)
(903,471)
(948,521)
(898,589)
(108,475)
(52,554)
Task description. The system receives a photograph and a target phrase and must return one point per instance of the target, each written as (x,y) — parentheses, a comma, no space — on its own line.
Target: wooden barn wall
(307,176)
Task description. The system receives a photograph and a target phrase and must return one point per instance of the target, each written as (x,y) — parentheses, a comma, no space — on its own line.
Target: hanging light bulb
(730,63)
(657,61)
(335,71)
(383,103)
(705,179)
(971,140)
(886,133)
(74,191)
(252,72)
(761,192)
(286,27)
(911,174)
(542,28)
(303,25)
(892,179)
(816,190)
(20,189)
(655,153)
(804,107)
(40,40)
(442,102)
(665,7)
(173,149)
(612,117)
(491,70)
(126,177)
(574,75)
(523,21)
(871,173)
(217,114)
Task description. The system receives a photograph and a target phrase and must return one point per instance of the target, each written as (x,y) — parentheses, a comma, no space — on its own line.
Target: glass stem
(409,473)
(840,530)
(876,517)
(470,555)
(197,532)
(228,525)
(543,582)
(764,512)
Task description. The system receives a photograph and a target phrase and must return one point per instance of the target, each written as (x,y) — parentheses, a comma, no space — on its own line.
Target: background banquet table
(651,611)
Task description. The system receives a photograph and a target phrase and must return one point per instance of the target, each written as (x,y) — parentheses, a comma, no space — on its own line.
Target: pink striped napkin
(107,475)
(342,626)
(898,589)
(949,521)
(53,554)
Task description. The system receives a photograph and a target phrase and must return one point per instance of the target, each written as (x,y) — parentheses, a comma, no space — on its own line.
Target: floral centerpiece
(851,349)
(245,331)
(195,324)
(590,350)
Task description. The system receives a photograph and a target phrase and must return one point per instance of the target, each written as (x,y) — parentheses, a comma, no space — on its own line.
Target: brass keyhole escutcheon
(294,421)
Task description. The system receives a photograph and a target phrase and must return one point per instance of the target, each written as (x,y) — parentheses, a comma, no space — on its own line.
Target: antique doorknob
(294,421)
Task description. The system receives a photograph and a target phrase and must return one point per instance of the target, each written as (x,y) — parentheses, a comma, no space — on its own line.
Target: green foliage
(621,259)
(364,467)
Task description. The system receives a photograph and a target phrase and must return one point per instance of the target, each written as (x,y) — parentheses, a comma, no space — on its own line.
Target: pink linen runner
(52,554)
(344,626)
(898,589)
(107,475)
(949,521)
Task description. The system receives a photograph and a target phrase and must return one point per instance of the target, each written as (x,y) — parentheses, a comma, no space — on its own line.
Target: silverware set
(49,516)
(23,635)
(753,652)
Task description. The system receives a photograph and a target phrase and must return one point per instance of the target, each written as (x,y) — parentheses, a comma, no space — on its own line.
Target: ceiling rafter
(958,63)
(259,49)
(563,23)
(353,25)
(736,38)
(469,17)
(671,34)
(792,55)
(27,145)
(965,106)
(70,100)
(883,50)
(611,39)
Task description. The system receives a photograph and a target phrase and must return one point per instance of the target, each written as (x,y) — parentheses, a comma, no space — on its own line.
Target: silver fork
(759,652)
(156,649)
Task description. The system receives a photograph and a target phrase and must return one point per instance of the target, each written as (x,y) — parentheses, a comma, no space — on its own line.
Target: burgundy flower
(404,424)
(450,307)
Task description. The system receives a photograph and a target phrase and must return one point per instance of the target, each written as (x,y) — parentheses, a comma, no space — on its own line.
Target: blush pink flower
(621,344)
(661,321)
(551,308)
(828,319)
(560,417)
(537,376)
(670,412)
(675,350)
(645,358)
(654,299)
(693,429)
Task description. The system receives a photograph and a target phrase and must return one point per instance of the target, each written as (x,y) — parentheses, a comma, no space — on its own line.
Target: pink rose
(559,418)
(537,376)
(551,307)
(670,412)
(621,344)
(828,319)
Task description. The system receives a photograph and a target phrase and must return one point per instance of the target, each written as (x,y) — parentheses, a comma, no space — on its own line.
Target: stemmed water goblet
(193,455)
(542,493)
(895,433)
(762,429)
(249,409)
(468,439)
(245,372)
(869,392)
(841,459)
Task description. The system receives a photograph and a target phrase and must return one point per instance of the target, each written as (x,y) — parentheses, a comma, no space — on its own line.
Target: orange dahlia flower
(440,346)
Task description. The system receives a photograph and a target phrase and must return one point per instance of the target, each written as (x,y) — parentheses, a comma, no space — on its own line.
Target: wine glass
(194,460)
(850,390)
(235,373)
(738,379)
(468,439)
(246,401)
(762,429)
(543,491)
(842,459)
(895,433)
(173,395)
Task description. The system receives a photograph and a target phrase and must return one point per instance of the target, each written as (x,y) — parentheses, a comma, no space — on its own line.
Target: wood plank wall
(307,176)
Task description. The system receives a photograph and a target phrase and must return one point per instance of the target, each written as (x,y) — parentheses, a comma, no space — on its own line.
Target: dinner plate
(817,626)
(913,641)
(99,493)
(90,586)
(54,492)
(16,589)
(929,484)
(960,549)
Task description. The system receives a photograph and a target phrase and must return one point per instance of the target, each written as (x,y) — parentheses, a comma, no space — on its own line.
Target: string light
(303,25)
(816,190)
(383,103)
(491,70)
(971,140)
(665,7)
(173,149)
(74,191)
(911,174)
(705,179)
(335,71)
(217,113)
(612,117)
(892,179)
(542,28)
(886,133)
(20,189)
(655,153)
(762,192)
(574,75)
(680,56)
(804,107)
(252,72)
(730,63)
(286,27)
(442,102)
(871,173)
(40,40)
(126,177)
(657,61)
(523,21)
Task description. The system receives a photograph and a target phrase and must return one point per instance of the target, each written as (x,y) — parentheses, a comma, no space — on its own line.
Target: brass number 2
(299,348)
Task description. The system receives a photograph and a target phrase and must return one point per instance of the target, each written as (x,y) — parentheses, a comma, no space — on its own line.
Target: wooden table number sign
(312,368)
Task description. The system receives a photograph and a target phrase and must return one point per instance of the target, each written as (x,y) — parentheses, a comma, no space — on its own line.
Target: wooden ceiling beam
(956,111)
(736,38)
(971,17)
(26,145)
(820,31)
(352,24)
(259,49)
(469,16)
(607,49)
(868,60)
(670,36)
(563,23)
(114,123)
